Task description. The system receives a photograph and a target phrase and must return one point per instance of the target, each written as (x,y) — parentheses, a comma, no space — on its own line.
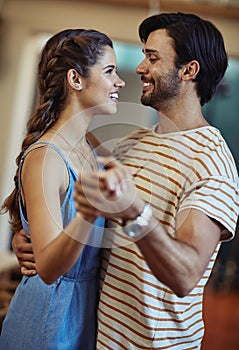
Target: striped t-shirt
(173,172)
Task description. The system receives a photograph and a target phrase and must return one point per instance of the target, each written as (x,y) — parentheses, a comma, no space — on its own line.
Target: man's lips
(147,86)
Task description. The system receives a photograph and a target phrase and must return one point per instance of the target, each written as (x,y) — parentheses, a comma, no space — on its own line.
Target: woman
(56,308)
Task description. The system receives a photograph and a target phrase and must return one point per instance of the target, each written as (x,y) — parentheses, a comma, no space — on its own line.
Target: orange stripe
(112,339)
(140,335)
(213,149)
(146,316)
(115,287)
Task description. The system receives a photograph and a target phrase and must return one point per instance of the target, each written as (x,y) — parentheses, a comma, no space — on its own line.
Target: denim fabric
(61,316)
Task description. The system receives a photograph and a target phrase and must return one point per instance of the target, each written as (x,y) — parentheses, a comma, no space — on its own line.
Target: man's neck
(180,119)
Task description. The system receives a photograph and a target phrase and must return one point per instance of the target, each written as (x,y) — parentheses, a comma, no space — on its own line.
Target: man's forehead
(158,40)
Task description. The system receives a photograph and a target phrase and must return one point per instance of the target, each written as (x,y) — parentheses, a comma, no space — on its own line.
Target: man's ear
(190,70)
(74,79)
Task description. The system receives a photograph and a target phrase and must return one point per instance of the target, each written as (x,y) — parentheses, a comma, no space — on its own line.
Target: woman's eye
(109,71)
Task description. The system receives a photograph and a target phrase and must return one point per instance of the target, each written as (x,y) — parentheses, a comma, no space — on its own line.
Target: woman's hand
(21,245)
(110,193)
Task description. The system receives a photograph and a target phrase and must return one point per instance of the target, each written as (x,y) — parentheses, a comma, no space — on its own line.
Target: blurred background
(25,25)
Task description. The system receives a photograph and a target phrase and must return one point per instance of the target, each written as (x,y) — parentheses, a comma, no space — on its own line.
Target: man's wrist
(133,212)
(136,228)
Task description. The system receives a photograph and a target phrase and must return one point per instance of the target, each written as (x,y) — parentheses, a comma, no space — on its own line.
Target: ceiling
(225,8)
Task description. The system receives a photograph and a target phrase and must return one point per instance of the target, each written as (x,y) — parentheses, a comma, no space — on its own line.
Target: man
(186,201)
(169,222)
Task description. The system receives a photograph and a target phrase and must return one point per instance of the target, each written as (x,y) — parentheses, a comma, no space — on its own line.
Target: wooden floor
(221,317)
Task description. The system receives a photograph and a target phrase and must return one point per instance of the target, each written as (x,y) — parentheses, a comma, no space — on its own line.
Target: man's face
(160,77)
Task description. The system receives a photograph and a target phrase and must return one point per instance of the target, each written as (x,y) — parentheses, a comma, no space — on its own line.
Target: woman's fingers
(115,175)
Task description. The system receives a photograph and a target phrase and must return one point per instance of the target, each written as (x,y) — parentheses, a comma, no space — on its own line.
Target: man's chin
(145,101)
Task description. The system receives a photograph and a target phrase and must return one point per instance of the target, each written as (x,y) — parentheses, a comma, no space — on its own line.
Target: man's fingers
(24,235)
(25,256)
(28,266)
(28,273)
(90,180)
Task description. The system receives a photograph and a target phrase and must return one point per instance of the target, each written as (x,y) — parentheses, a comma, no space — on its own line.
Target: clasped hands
(110,192)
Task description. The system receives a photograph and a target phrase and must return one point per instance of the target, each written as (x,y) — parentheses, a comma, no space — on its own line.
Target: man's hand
(110,193)
(21,245)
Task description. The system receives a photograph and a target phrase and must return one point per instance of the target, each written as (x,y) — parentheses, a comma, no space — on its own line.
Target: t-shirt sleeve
(218,198)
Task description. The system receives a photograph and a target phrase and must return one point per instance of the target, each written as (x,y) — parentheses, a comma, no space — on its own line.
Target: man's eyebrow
(150,51)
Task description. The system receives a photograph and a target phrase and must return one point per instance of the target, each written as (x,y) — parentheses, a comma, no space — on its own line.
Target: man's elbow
(183,286)
(183,291)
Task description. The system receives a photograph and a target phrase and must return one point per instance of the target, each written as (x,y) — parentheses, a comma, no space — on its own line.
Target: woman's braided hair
(79,49)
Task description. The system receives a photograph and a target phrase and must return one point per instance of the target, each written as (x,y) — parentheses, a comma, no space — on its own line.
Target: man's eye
(152,60)
(109,71)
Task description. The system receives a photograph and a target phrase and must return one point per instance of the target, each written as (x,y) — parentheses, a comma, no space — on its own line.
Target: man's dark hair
(194,39)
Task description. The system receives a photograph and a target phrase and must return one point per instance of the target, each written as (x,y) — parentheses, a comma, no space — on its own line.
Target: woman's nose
(120,83)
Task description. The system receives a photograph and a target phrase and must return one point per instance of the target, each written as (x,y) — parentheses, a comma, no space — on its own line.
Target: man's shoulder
(133,138)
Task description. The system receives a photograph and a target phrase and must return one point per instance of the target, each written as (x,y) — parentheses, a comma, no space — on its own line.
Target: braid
(71,48)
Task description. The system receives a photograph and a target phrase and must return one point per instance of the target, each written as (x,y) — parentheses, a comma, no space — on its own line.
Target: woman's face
(100,90)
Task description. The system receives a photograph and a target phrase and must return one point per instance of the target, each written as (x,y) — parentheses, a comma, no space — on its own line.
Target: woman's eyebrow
(110,66)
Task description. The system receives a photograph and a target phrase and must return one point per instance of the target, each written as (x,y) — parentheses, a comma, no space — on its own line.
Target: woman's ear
(74,79)
(190,70)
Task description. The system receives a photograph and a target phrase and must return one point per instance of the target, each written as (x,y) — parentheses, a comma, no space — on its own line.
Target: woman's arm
(44,184)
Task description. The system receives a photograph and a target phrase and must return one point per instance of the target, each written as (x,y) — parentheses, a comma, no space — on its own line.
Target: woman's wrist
(78,229)
(88,218)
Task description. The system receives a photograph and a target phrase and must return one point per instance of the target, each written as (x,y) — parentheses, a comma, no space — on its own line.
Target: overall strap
(39,144)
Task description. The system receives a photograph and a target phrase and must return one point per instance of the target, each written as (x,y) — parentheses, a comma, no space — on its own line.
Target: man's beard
(165,88)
